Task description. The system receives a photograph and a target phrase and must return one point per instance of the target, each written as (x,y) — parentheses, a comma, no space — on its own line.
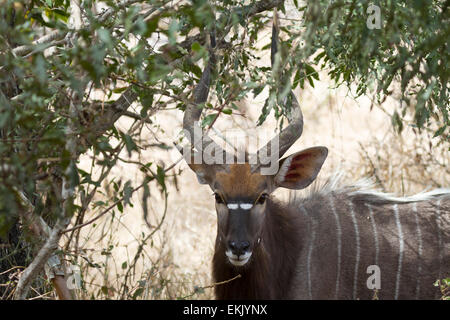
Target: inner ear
(300,169)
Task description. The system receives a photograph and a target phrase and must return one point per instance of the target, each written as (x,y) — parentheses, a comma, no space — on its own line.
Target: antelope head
(241,191)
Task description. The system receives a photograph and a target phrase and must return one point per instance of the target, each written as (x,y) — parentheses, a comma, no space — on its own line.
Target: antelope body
(322,246)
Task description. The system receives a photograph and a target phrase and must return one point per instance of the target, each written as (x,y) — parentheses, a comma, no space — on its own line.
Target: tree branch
(39,261)
(58,35)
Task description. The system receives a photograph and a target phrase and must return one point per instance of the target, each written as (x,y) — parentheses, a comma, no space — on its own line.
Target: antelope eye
(262,198)
(218,198)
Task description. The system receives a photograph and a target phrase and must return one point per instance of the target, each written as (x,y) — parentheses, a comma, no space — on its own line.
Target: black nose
(238,247)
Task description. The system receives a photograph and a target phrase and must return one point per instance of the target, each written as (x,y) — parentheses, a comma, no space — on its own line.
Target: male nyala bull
(322,246)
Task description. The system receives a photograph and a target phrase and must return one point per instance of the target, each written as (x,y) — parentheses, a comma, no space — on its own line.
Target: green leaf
(138,293)
(105,290)
(129,143)
(120,90)
(209,119)
(296,81)
(73,175)
(160,177)
(120,206)
(397,122)
(152,25)
(196,47)
(173,28)
(440,131)
(127,192)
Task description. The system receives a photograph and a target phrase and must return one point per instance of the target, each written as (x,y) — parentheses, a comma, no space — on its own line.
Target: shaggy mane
(365,187)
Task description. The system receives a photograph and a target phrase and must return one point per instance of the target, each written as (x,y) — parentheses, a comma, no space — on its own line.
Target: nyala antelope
(321,246)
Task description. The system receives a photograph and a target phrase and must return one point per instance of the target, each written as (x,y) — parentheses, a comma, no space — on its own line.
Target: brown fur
(240,181)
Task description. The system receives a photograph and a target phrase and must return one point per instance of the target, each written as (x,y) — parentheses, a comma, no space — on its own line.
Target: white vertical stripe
(339,244)
(419,260)
(438,219)
(400,250)
(375,233)
(358,250)
(310,249)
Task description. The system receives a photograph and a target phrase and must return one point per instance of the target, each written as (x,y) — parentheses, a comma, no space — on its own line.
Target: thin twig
(13,268)
(211,286)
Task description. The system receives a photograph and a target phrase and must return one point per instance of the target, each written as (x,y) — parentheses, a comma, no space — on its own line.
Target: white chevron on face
(243,206)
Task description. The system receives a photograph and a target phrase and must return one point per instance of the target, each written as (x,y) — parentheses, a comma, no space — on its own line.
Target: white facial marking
(238,261)
(246,206)
(235,206)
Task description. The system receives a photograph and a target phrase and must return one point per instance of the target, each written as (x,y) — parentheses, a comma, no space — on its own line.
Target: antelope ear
(300,169)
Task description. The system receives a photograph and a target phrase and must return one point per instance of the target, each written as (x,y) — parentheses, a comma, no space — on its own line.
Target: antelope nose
(239,247)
